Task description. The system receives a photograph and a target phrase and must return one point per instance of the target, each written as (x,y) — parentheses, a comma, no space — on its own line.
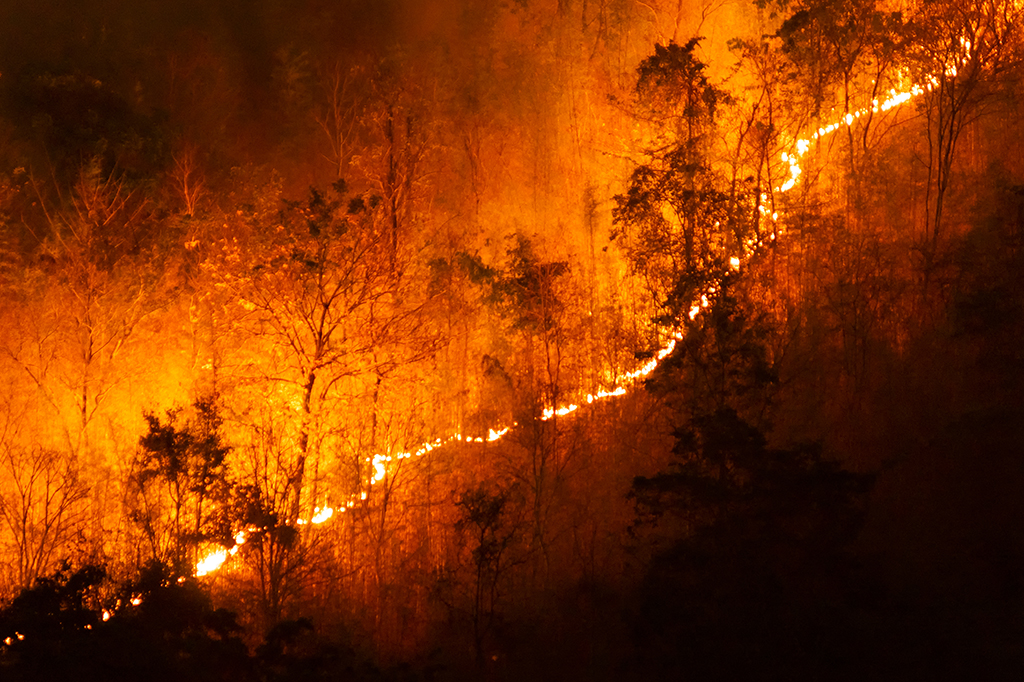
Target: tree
(753,563)
(321,296)
(336,116)
(531,373)
(88,293)
(850,46)
(331,324)
(678,218)
(960,51)
(272,545)
(41,504)
(755,118)
(394,157)
(187,179)
(182,481)
(488,527)
(528,295)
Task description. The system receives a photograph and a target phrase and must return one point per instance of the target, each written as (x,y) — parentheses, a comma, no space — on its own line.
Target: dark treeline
(255,255)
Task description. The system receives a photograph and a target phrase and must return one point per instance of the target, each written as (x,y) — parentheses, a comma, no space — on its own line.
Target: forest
(511,339)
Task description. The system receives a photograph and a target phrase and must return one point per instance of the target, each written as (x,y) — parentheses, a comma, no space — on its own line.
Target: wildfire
(10,640)
(380,462)
(895,98)
(212,561)
(215,559)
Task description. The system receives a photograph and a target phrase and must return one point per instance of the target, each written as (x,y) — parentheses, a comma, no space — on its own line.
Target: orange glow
(211,562)
(896,98)
(382,463)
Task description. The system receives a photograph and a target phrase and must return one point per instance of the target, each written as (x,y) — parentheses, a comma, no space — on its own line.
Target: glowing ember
(379,471)
(10,640)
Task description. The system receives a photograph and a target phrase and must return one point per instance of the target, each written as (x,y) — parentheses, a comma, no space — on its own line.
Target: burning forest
(470,340)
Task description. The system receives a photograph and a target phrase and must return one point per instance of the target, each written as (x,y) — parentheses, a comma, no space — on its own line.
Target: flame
(379,470)
(10,640)
(895,99)
(493,435)
(211,562)
(321,515)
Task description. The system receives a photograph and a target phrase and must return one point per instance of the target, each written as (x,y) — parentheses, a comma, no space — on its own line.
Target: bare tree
(338,114)
(188,179)
(82,302)
(961,49)
(333,316)
(40,496)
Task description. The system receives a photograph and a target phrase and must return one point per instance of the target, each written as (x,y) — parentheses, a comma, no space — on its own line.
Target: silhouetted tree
(183,485)
(677,219)
(755,572)
(75,625)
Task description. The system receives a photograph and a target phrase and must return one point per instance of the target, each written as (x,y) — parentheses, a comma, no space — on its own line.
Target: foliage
(723,474)
(55,606)
(77,117)
(155,628)
(184,485)
(836,45)
(528,290)
(724,359)
(42,498)
(761,547)
(679,216)
(292,650)
(77,624)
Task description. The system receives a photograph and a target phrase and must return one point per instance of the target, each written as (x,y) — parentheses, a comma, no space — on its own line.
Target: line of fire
(452,340)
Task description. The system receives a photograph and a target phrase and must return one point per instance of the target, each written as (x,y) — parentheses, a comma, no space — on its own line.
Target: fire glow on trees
(897,97)
(588,361)
(380,463)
